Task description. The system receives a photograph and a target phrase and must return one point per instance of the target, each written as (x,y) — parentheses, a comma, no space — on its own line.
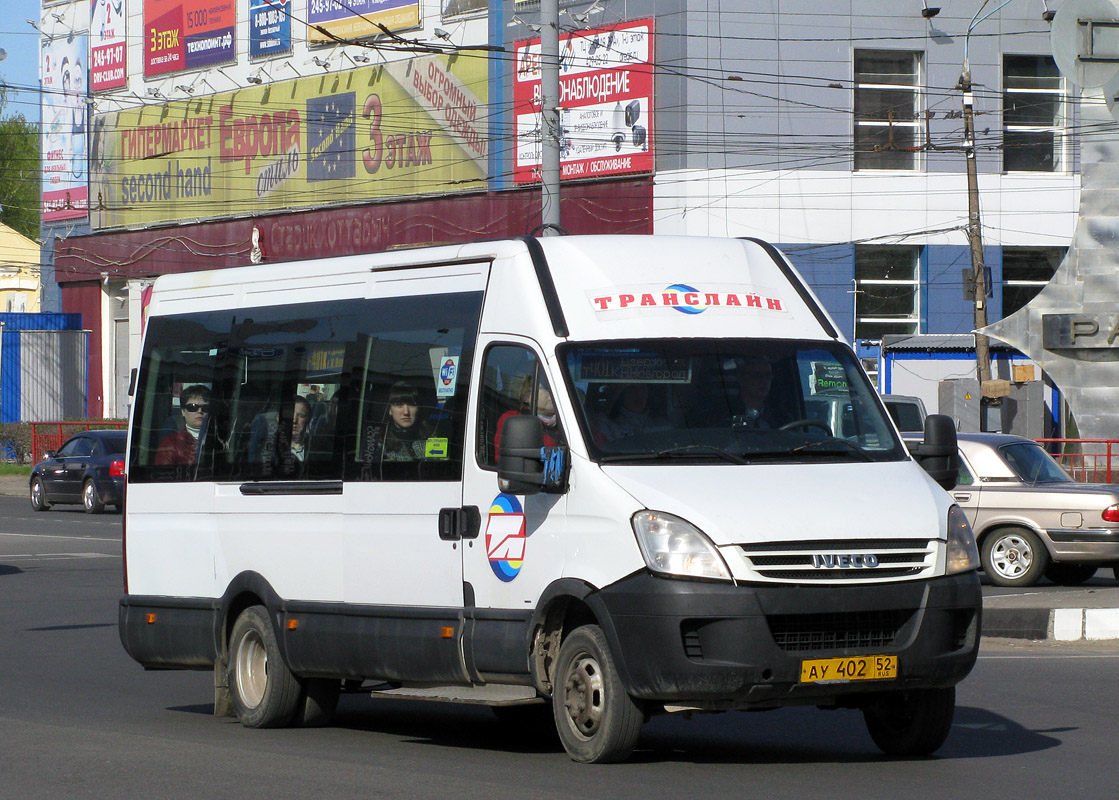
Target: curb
(1059,624)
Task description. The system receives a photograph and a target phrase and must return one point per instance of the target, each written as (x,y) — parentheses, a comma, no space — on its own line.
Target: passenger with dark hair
(405,433)
(181,447)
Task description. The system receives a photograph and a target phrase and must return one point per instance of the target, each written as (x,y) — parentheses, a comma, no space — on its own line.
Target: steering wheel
(806,423)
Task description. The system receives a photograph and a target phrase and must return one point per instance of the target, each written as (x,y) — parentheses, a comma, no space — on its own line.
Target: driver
(754,377)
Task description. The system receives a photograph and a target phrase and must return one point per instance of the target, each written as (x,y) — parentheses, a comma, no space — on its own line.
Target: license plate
(841,670)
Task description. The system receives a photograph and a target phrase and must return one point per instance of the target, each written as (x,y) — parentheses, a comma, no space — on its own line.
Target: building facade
(221,134)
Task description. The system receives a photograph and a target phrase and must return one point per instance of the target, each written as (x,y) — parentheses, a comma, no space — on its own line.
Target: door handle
(459,523)
(963,497)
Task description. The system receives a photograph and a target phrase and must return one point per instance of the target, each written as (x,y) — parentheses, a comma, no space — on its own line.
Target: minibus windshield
(728,401)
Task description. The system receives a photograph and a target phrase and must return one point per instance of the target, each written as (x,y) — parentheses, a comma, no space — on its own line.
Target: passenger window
(964,477)
(513,383)
(302,392)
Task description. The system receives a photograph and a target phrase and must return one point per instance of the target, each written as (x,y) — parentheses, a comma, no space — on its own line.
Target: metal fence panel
(53,371)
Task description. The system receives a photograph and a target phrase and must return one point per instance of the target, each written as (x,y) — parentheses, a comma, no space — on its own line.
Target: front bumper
(719,646)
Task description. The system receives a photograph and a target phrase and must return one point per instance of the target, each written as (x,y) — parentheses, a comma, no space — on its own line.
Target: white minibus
(573,474)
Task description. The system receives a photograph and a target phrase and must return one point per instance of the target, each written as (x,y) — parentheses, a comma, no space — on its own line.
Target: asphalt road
(79,719)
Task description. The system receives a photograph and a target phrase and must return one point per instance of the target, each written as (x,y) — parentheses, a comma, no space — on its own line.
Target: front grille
(851,630)
(840,560)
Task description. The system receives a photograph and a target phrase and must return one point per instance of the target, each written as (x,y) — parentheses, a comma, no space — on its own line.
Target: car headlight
(962,552)
(672,546)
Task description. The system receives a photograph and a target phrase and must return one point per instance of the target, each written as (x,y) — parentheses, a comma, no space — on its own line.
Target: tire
(1014,557)
(91,500)
(597,721)
(264,692)
(1115,571)
(38,495)
(912,723)
(318,702)
(1069,574)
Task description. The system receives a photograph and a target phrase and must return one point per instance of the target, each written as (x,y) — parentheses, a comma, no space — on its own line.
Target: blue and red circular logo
(688,299)
(447,372)
(505,537)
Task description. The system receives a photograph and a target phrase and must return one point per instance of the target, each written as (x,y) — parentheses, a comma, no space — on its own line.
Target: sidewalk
(1059,613)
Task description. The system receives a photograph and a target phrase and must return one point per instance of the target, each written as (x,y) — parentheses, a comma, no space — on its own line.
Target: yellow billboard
(401,129)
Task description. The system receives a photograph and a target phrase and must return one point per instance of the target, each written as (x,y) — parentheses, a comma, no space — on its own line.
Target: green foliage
(15,439)
(19,173)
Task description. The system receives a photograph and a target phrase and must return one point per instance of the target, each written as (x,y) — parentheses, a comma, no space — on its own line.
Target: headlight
(962,553)
(672,546)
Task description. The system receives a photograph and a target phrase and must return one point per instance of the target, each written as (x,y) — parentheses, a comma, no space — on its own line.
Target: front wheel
(38,495)
(1014,557)
(264,692)
(912,723)
(597,721)
(91,500)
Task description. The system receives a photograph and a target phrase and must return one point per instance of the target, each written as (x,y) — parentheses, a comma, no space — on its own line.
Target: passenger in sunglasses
(181,447)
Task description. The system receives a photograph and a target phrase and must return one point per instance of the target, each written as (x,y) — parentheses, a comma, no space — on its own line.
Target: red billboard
(606,101)
(187,34)
(107,52)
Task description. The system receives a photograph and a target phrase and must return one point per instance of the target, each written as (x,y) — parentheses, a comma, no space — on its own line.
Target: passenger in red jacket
(181,447)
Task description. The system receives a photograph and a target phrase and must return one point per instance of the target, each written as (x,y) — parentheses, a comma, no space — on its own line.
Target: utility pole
(975,236)
(551,134)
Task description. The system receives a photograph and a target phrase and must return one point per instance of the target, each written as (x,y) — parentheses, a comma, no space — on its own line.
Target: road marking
(45,536)
(1049,655)
(57,556)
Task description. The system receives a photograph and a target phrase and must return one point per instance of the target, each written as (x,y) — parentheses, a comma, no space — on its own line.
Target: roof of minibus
(615,287)
(607,287)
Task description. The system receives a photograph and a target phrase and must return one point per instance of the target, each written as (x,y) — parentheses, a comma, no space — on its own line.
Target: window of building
(887,291)
(1032,115)
(1025,270)
(888,132)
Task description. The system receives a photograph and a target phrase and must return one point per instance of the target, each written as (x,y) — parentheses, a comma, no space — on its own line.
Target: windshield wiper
(703,449)
(816,447)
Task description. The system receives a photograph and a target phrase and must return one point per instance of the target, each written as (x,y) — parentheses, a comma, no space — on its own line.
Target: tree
(19,172)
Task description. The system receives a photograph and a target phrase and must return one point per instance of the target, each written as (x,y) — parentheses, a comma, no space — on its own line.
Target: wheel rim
(584,696)
(87,495)
(252,669)
(1012,557)
(37,493)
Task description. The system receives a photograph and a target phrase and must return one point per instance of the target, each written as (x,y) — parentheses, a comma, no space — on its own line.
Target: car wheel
(264,692)
(38,495)
(91,500)
(1014,557)
(1069,574)
(913,723)
(597,721)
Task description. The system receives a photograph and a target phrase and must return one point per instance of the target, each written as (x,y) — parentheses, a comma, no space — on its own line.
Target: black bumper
(722,646)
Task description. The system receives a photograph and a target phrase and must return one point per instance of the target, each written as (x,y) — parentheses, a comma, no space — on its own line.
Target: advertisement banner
(65,186)
(187,34)
(107,51)
(269,28)
(328,20)
(606,96)
(376,132)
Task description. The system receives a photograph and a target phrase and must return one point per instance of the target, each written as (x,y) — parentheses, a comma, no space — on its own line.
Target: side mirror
(524,465)
(938,453)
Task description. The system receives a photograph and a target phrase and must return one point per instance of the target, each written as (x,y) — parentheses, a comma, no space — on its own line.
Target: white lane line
(1049,655)
(52,538)
(56,556)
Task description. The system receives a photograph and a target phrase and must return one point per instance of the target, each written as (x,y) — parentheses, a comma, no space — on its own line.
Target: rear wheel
(597,721)
(913,723)
(264,692)
(38,495)
(91,500)
(1069,574)
(1014,557)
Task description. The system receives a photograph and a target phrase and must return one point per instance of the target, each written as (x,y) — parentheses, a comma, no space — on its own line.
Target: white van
(575,471)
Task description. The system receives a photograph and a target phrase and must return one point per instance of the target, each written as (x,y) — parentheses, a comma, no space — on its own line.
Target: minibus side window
(174,436)
(410,370)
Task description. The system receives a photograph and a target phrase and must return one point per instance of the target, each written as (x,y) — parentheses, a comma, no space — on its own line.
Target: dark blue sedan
(87,469)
